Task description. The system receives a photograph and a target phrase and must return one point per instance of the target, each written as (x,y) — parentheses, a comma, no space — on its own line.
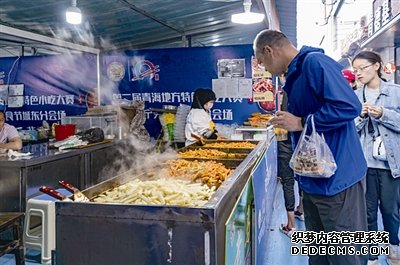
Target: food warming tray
(144,234)
(198,145)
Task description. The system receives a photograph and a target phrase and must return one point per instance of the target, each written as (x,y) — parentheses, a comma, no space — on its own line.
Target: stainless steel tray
(147,234)
(229,163)
(198,145)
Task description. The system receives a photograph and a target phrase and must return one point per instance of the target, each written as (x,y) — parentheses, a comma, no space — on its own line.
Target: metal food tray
(198,145)
(228,163)
(148,234)
(238,156)
(131,175)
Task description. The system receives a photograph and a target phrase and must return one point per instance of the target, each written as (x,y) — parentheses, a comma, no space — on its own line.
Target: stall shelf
(252,133)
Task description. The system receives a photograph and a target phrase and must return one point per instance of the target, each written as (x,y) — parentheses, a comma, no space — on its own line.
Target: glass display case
(108,122)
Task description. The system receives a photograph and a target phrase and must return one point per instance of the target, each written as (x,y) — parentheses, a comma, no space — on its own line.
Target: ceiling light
(247,17)
(73,14)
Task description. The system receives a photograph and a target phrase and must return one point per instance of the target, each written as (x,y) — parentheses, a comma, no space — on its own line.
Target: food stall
(153,234)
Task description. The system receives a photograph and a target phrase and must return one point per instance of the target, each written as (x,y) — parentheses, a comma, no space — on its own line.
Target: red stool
(12,221)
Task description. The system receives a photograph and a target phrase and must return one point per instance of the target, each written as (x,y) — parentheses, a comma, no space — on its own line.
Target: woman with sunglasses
(379,129)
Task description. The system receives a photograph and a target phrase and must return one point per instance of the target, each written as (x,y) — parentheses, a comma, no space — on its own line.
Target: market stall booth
(117,233)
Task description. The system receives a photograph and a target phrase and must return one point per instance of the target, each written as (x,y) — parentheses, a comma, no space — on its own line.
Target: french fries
(158,192)
(190,184)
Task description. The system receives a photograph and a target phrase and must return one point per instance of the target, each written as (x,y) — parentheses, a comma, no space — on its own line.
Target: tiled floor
(278,243)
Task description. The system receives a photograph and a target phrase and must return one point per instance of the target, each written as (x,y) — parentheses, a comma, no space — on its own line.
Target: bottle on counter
(53,129)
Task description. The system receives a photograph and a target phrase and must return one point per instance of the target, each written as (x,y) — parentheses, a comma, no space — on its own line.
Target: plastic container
(180,122)
(28,135)
(43,133)
(107,122)
(63,131)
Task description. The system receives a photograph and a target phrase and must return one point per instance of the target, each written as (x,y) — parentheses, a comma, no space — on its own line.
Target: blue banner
(264,177)
(52,86)
(58,85)
(170,76)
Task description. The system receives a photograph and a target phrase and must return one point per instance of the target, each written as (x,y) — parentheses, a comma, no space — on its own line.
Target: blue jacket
(388,124)
(315,85)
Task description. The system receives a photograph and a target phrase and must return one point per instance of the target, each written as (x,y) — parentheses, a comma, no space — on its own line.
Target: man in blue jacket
(316,86)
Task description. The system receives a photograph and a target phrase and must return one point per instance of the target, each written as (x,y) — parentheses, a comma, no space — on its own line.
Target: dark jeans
(384,191)
(345,211)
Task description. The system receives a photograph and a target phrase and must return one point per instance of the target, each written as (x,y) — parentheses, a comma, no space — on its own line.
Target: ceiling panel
(130,24)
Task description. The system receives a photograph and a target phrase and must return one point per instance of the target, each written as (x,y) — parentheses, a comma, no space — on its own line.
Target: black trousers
(383,190)
(345,211)
(286,173)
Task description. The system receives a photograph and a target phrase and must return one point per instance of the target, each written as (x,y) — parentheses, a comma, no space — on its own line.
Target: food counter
(256,127)
(117,233)
(20,178)
(251,133)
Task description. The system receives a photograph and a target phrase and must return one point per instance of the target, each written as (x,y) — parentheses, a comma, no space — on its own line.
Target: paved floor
(278,244)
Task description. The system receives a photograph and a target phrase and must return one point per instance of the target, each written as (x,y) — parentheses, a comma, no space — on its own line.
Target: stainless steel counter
(41,153)
(21,178)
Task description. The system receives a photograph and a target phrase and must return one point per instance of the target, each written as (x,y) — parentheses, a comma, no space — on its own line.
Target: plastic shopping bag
(312,156)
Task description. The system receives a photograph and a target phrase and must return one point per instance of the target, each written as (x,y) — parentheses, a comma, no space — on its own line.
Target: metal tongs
(198,138)
(55,194)
(78,196)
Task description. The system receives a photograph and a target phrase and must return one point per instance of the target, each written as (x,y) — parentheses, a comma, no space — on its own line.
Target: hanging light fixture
(73,14)
(247,17)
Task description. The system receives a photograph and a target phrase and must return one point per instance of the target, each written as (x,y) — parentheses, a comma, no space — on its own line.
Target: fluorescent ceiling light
(247,17)
(73,14)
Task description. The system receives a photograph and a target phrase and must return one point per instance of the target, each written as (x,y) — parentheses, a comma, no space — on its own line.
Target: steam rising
(78,34)
(139,157)
(136,155)
(82,34)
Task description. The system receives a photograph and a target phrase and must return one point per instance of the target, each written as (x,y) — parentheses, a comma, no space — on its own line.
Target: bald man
(316,88)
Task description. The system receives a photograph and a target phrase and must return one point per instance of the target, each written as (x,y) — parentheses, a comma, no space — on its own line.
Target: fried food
(230,145)
(206,172)
(259,120)
(280,131)
(189,183)
(207,153)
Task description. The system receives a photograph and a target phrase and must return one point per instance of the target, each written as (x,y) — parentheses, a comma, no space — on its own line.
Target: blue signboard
(264,177)
(57,85)
(170,76)
(52,86)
